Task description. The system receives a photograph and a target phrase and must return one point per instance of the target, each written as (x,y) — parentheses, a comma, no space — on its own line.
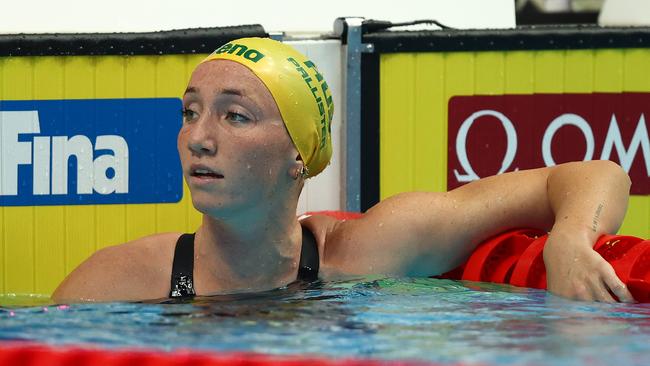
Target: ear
(298,168)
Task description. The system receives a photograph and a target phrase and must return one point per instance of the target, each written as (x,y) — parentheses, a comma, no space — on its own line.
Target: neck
(251,251)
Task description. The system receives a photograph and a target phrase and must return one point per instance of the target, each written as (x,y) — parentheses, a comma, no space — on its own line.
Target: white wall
(625,13)
(47,16)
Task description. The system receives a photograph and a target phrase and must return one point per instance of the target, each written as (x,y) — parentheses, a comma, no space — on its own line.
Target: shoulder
(136,270)
(385,239)
(409,212)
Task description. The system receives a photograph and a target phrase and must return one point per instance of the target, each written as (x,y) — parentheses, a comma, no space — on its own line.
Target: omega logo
(613,140)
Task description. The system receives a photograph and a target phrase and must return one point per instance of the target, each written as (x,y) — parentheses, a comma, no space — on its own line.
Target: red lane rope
(42,355)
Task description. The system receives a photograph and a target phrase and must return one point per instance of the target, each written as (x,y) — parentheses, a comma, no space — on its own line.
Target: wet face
(235,151)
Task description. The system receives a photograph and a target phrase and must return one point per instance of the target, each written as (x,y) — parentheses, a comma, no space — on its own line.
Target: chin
(219,208)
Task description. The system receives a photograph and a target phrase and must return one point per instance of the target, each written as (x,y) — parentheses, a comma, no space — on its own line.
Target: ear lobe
(299,170)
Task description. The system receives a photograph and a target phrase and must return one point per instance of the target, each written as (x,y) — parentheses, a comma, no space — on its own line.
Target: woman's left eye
(237,117)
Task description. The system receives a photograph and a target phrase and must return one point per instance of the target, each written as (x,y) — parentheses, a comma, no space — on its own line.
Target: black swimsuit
(182,282)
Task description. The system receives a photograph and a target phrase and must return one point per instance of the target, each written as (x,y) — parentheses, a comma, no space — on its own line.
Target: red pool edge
(35,354)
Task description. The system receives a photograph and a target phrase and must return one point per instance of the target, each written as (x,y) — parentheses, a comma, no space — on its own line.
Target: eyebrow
(195,90)
(232,92)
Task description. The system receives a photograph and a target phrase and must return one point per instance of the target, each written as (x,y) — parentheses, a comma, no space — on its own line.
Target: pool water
(380,318)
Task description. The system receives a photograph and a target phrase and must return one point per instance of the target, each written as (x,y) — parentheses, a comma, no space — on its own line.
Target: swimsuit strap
(182,283)
(309,258)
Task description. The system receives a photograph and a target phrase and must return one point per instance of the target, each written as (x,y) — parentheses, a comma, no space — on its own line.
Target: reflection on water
(386,318)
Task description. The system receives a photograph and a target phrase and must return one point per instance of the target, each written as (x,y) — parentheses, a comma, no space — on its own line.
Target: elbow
(615,171)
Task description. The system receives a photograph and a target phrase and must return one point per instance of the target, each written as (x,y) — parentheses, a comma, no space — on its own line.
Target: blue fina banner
(87,152)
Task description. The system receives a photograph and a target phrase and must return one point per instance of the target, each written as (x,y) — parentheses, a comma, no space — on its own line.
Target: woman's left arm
(588,200)
(425,233)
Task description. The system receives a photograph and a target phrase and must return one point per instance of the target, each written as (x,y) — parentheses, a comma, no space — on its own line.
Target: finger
(616,286)
(600,293)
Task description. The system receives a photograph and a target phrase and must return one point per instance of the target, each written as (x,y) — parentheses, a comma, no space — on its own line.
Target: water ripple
(386,318)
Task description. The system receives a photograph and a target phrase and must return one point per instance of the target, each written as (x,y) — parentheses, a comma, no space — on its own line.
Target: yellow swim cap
(299,90)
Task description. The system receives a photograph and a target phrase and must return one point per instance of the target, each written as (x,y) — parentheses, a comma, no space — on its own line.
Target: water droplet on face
(248,166)
(381,224)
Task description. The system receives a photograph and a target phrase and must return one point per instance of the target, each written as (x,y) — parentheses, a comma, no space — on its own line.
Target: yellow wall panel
(636,69)
(429,139)
(18,224)
(110,226)
(50,247)
(637,220)
(549,72)
(397,89)
(459,80)
(19,249)
(487,73)
(79,83)
(140,83)
(520,77)
(49,221)
(608,71)
(579,71)
(170,79)
(40,245)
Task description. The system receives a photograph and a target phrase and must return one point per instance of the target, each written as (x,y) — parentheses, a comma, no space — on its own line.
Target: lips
(203,172)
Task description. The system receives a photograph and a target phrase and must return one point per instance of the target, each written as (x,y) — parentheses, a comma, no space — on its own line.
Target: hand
(576,271)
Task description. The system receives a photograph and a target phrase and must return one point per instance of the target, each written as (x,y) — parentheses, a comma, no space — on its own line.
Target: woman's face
(235,151)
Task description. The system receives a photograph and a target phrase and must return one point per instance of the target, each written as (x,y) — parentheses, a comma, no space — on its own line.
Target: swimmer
(256,124)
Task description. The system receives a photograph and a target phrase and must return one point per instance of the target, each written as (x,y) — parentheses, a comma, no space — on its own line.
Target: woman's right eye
(188,115)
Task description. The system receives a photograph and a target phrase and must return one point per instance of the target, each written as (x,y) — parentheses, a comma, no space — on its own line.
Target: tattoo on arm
(594,221)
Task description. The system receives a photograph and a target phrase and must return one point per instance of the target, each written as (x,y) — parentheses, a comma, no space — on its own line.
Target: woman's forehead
(219,75)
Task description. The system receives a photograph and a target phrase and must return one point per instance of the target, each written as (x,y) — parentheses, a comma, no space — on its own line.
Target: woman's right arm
(137,270)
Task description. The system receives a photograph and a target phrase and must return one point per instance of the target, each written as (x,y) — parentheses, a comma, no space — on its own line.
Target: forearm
(588,199)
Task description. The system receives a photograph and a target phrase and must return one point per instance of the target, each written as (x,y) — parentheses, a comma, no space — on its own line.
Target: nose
(202,139)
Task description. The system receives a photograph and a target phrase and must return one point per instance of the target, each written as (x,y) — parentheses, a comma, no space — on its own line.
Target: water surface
(381,318)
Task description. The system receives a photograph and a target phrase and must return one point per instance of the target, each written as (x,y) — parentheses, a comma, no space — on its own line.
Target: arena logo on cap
(66,152)
(495,134)
(242,50)
(326,116)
